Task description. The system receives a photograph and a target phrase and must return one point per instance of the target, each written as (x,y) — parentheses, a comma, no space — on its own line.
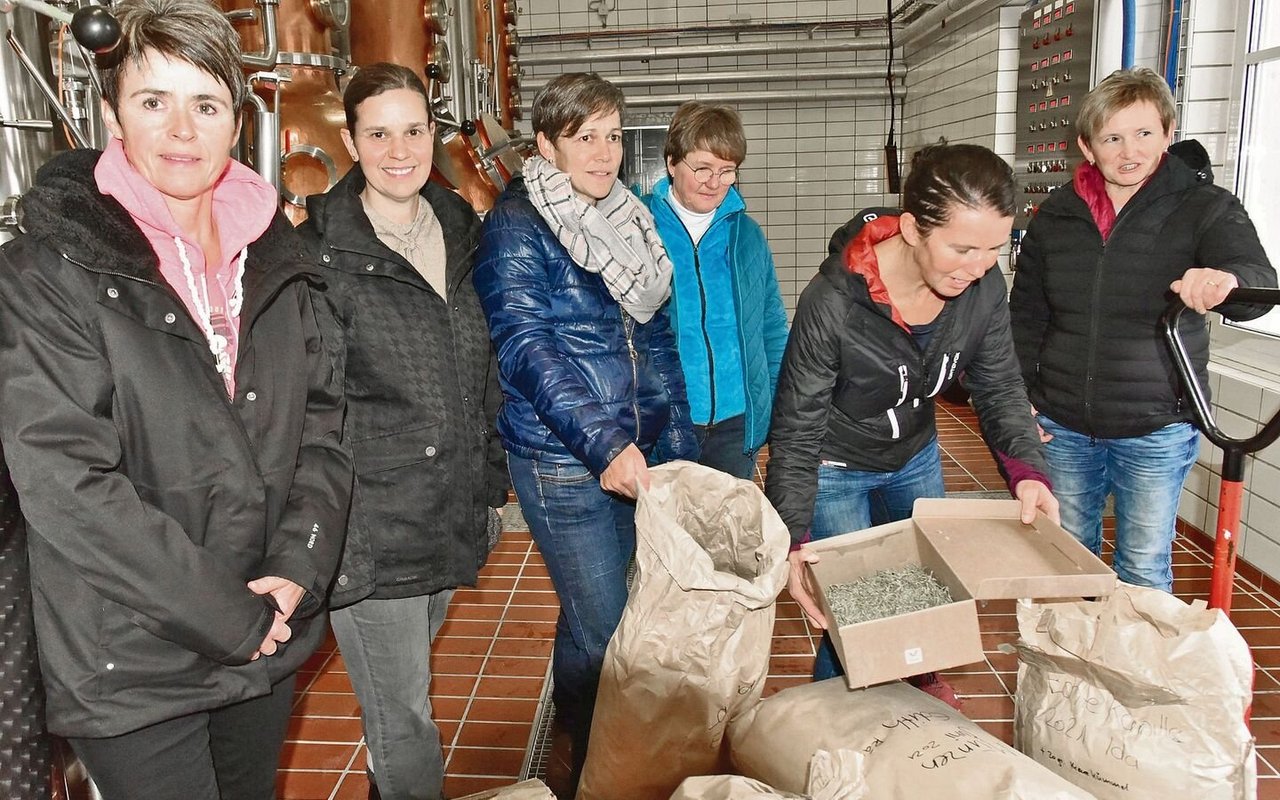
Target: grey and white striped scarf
(615,237)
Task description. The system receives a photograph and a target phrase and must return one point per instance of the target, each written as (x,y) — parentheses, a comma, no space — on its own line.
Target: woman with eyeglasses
(730,351)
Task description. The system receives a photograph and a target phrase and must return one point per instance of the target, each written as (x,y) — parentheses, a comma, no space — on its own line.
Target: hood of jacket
(65,211)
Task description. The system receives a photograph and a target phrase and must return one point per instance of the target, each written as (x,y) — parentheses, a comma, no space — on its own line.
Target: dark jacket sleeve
(1228,241)
(65,454)
(1028,306)
(307,544)
(498,480)
(801,407)
(677,440)
(999,396)
(511,279)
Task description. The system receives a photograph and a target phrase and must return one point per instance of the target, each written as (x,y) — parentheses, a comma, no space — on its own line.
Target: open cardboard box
(979,550)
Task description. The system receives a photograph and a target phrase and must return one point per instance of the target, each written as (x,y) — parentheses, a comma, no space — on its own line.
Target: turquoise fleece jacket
(733,257)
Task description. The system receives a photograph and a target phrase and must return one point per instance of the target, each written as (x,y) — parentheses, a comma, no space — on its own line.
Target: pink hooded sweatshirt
(243,207)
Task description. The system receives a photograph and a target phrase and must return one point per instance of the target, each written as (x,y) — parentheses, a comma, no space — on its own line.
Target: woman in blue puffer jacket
(572,277)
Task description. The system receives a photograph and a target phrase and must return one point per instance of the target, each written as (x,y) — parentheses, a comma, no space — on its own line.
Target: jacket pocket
(399,449)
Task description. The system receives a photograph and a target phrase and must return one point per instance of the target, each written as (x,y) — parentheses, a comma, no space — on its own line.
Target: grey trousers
(386,645)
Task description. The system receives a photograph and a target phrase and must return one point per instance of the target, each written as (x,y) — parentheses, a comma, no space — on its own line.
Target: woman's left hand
(1035,496)
(1203,288)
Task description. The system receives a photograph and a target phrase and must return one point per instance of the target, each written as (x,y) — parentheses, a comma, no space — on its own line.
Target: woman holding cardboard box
(907,303)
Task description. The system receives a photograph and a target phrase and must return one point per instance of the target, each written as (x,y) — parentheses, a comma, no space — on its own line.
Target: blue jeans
(851,500)
(587,538)
(386,645)
(1145,473)
(722,445)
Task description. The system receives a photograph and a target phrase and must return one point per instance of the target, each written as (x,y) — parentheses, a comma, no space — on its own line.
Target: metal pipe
(42,125)
(746,76)
(945,16)
(76,134)
(595,56)
(270,45)
(39,7)
(781,96)
(266,140)
(707,30)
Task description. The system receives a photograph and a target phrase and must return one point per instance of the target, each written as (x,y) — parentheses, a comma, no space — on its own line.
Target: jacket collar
(65,211)
(1171,177)
(339,218)
(732,203)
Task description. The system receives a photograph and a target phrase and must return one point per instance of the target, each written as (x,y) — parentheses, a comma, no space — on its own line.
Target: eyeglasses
(728,177)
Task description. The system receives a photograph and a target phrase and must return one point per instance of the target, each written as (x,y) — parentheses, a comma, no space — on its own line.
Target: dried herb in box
(886,593)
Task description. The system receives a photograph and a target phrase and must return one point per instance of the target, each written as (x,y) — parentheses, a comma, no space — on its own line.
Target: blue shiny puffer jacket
(581,379)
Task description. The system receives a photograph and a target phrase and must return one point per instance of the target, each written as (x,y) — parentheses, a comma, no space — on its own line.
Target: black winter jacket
(855,388)
(582,379)
(1086,315)
(151,497)
(422,398)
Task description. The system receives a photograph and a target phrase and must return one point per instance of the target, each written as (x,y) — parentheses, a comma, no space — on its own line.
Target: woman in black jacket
(401,318)
(909,303)
(1100,262)
(172,426)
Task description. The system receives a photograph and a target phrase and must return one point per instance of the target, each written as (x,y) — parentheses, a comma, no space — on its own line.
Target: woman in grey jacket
(401,319)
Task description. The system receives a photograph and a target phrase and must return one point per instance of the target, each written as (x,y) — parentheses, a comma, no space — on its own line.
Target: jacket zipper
(706,337)
(628,330)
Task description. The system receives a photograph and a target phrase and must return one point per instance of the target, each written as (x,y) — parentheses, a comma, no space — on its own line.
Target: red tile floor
(491,660)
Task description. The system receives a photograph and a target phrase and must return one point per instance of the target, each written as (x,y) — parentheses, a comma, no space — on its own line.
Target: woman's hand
(802,588)
(625,472)
(1202,288)
(1044,437)
(1035,496)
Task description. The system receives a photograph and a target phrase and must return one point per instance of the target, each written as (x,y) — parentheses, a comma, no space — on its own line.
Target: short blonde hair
(1119,90)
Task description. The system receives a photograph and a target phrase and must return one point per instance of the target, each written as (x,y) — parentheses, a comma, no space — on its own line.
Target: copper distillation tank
(454,50)
(293,69)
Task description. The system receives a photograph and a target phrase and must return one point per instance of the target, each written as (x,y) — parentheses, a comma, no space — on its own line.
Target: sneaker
(931,684)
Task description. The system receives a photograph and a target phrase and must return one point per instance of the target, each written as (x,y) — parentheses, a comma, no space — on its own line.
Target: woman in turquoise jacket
(730,352)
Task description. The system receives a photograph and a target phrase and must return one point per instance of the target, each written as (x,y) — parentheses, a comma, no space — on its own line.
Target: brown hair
(569,100)
(702,126)
(1118,91)
(944,176)
(186,30)
(375,79)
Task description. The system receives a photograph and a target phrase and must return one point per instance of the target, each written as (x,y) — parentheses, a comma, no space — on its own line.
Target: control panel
(1055,59)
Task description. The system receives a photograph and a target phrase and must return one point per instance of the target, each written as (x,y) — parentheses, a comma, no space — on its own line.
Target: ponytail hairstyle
(944,176)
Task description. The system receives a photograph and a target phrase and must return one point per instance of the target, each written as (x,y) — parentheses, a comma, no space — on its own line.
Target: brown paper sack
(832,776)
(915,745)
(692,650)
(524,790)
(1136,696)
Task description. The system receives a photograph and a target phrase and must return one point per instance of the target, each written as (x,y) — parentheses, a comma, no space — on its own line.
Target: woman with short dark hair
(401,319)
(725,306)
(907,302)
(1101,260)
(173,429)
(573,279)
